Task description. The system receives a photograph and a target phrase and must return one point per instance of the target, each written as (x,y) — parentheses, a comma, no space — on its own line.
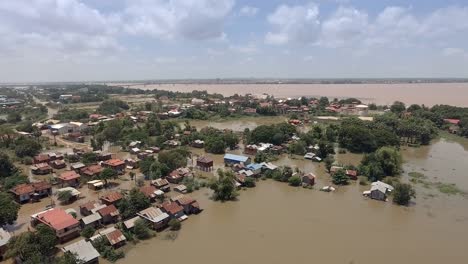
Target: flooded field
(240,124)
(416,93)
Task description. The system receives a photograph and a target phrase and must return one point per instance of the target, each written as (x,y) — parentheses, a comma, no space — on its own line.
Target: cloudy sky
(78,40)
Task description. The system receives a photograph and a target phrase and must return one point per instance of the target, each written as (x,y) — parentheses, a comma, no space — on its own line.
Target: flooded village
(128,175)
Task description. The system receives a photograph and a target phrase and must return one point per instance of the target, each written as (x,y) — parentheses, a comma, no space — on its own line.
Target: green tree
(403,193)
(224,187)
(134,202)
(13,117)
(7,168)
(107,174)
(25,146)
(249,182)
(9,209)
(294,181)
(141,229)
(87,232)
(64,196)
(340,178)
(174,224)
(68,258)
(398,107)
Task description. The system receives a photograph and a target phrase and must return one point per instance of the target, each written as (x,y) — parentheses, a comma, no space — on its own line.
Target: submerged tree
(224,187)
(403,193)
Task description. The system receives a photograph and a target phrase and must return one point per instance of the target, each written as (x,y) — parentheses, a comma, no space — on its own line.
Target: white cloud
(308,58)
(297,23)
(344,26)
(166,19)
(394,26)
(248,11)
(61,25)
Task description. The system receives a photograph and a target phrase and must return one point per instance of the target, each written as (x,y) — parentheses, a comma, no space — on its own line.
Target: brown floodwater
(410,93)
(276,223)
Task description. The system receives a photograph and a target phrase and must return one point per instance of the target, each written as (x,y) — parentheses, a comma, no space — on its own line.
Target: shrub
(294,181)
(174,224)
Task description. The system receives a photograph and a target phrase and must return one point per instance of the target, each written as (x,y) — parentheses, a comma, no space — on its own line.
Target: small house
(181,188)
(41,158)
(130,223)
(115,237)
(88,207)
(77,167)
(75,194)
(177,175)
(103,156)
(65,226)
(84,251)
(352,174)
(231,159)
(308,179)
(69,178)
(173,209)
(161,184)
(198,143)
(149,191)
(31,191)
(250,149)
(95,185)
(41,169)
(93,220)
(111,198)
(58,164)
(155,216)
(205,163)
(255,168)
(379,190)
(189,204)
(109,214)
(117,165)
(91,171)
(131,164)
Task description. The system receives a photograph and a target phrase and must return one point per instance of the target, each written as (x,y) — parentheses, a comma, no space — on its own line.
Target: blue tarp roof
(254,166)
(236,157)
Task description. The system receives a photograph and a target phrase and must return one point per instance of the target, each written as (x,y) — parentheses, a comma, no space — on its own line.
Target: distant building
(230,159)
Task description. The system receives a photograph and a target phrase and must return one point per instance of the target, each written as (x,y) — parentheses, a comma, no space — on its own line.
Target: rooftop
(83,249)
(153,214)
(112,197)
(69,175)
(236,157)
(57,218)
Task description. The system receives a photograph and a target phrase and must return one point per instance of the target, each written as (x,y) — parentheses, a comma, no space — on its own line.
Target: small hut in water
(205,163)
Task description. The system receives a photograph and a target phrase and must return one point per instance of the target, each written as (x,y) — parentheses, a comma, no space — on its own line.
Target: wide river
(411,93)
(276,223)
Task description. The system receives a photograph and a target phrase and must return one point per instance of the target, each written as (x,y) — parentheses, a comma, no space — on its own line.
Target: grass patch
(448,188)
(417,175)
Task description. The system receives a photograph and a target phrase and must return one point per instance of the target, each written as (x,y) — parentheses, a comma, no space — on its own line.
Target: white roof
(130,223)
(97,208)
(83,249)
(269,165)
(59,126)
(181,187)
(4,237)
(91,218)
(382,186)
(73,191)
(153,214)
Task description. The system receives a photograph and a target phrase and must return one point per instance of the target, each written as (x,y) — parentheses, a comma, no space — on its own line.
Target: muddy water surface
(276,223)
(411,93)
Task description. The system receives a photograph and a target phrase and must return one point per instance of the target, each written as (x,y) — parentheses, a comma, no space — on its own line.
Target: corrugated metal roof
(91,218)
(153,214)
(83,249)
(236,157)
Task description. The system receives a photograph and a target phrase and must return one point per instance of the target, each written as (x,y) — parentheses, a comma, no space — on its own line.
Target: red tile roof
(89,205)
(57,219)
(452,121)
(114,162)
(92,170)
(22,189)
(69,175)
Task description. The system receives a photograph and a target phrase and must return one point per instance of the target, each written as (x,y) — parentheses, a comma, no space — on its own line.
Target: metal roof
(83,249)
(236,157)
(91,218)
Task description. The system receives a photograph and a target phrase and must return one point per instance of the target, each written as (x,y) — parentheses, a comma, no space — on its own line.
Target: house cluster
(103,215)
(45,163)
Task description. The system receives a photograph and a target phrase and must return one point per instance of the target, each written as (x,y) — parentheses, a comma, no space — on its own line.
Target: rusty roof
(172,207)
(114,162)
(112,197)
(69,175)
(115,237)
(22,189)
(109,210)
(148,190)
